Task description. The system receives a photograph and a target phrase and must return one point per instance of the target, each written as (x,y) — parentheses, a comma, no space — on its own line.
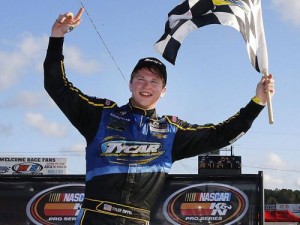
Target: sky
(212,79)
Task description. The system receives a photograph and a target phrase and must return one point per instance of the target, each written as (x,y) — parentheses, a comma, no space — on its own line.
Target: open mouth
(146,94)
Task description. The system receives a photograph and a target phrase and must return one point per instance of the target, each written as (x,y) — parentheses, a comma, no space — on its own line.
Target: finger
(65,18)
(69,15)
(269,87)
(61,18)
(79,14)
(76,23)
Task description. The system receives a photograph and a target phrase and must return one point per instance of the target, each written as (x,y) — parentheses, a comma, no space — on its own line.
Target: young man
(130,149)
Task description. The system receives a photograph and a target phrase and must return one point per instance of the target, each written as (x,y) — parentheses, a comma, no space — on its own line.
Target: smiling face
(146,87)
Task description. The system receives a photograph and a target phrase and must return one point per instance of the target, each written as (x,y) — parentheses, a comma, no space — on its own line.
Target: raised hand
(66,23)
(265,85)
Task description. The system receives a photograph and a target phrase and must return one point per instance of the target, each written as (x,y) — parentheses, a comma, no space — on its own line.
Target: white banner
(293,208)
(33,165)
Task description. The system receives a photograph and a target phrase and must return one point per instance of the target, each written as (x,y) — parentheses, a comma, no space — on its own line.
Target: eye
(139,77)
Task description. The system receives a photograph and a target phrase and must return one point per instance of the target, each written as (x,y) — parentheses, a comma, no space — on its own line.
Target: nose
(146,84)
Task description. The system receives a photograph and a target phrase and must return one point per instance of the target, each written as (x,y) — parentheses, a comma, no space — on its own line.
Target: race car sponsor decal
(127,152)
(27,168)
(158,127)
(208,203)
(117,121)
(57,205)
(4,169)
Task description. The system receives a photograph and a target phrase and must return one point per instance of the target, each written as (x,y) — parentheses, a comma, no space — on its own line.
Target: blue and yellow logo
(238,3)
(131,152)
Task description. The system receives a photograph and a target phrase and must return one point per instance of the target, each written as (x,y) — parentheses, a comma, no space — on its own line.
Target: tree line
(282,196)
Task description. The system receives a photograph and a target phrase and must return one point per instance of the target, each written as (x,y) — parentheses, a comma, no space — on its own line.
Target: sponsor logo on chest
(119,147)
(126,152)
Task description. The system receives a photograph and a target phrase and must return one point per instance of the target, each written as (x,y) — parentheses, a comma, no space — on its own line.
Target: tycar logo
(58,205)
(127,152)
(208,203)
(27,168)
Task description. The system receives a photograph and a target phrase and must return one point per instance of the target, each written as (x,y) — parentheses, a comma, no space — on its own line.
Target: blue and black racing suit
(130,151)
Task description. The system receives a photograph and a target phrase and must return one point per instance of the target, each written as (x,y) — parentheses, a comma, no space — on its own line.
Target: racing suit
(129,150)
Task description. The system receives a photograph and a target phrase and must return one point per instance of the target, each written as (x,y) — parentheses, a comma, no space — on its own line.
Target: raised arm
(83,111)
(192,140)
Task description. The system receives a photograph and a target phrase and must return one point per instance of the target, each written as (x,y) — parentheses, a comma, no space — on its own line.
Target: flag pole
(269,101)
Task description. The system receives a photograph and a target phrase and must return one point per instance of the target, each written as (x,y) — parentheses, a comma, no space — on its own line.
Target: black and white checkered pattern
(243,15)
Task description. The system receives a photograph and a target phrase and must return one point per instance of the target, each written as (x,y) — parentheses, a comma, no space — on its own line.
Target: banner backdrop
(185,200)
(33,165)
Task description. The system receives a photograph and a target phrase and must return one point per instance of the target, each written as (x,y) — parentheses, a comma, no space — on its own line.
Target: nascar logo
(27,168)
(58,205)
(207,203)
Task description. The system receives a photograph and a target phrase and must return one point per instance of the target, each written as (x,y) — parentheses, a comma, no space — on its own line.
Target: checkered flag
(243,15)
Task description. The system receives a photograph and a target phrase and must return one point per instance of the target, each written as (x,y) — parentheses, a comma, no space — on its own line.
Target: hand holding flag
(243,15)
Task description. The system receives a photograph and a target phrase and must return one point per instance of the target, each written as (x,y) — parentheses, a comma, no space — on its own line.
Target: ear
(130,87)
(163,92)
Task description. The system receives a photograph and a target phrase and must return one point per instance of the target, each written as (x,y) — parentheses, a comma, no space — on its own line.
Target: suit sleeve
(191,139)
(83,112)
